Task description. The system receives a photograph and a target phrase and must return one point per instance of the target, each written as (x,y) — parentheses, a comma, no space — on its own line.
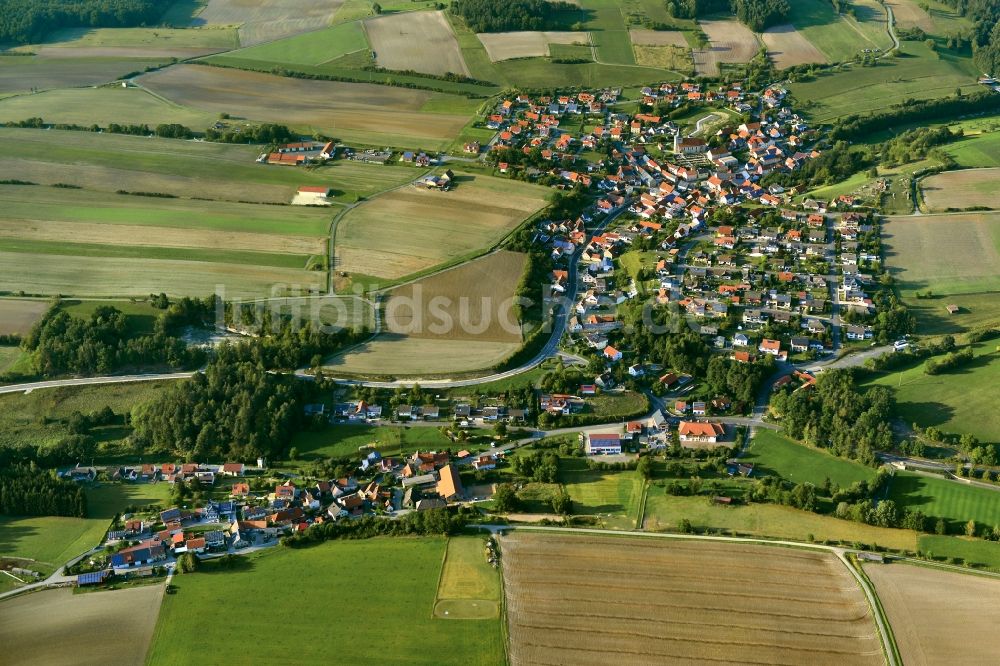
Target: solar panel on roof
(91,578)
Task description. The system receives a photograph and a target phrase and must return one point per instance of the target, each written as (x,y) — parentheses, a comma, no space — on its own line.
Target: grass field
(379,115)
(135,42)
(421,41)
(939,616)
(934,18)
(948,254)
(952,500)
(412,229)
(772,453)
(915,73)
(267,20)
(228,172)
(23,73)
(608,31)
(311,48)
(402,577)
(975,311)
(961,189)
(662,601)
(612,496)
(969,551)
(729,42)
(18,315)
(838,37)
(60,627)
(982,150)
(767,520)
(469,588)
(346,440)
(959,401)
(191,246)
(403,355)
(36,417)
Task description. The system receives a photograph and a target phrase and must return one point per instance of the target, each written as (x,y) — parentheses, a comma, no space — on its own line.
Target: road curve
(87,381)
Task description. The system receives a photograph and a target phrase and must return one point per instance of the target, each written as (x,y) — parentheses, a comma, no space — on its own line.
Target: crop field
(941,498)
(421,41)
(787,47)
(675,58)
(608,31)
(939,616)
(729,41)
(773,453)
(391,355)
(311,48)
(469,588)
(613,496)
(473,301)
(960,401)
(60,627)
(84,106)
(948,254)
(412,229)
(18,315)
(267,20)
(173,245)
(962,189)
(917,73)
(112,162)
(407,573)
(665,601)
(23,73)
(527,44)
(135,43)
(380,113)
(644,37)
(766,520)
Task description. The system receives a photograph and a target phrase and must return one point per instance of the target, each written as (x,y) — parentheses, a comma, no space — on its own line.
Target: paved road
(86,381)
(839,553)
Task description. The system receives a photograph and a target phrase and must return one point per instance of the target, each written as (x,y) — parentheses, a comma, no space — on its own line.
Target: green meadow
(954,501)
(776,454)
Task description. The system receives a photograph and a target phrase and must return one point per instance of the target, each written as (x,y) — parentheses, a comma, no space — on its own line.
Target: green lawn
(971,551)
(345,440)
(952,500)
(664,511)
(613,496)
(773,453)
(395,581)
(916,73)
(959,401)
(311,48)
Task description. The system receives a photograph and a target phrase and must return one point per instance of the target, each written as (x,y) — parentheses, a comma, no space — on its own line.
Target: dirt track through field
(58,627)
(421,41)
(599,600)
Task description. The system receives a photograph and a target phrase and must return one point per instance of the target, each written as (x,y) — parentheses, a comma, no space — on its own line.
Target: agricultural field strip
(404,42)
(962,189)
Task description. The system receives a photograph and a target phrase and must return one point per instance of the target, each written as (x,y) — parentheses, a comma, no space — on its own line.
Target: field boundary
(876,605)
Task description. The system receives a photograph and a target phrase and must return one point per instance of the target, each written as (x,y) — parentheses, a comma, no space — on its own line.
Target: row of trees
(265,134)
(27,490)
(445,521)
(756,14)
(849,128)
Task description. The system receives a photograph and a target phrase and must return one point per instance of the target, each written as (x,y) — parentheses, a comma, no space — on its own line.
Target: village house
(603,444)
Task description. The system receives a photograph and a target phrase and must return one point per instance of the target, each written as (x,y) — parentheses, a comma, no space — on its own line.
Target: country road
(89,381)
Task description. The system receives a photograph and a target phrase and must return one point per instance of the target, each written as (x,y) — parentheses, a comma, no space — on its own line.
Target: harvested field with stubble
(597,600)
(729,41)
(962,189)
(381,112)
(471,302)
(18,315)
(58,627)
(267,20)
(644,37)
(527,43)
(939,617)
(22,73)
(786,47)
(418,41)
(411,229)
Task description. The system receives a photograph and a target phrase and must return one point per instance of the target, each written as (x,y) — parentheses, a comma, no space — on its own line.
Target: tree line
(512,15)
(26,490)
(264,134)
(446,521)
(758,15)
(27,21)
